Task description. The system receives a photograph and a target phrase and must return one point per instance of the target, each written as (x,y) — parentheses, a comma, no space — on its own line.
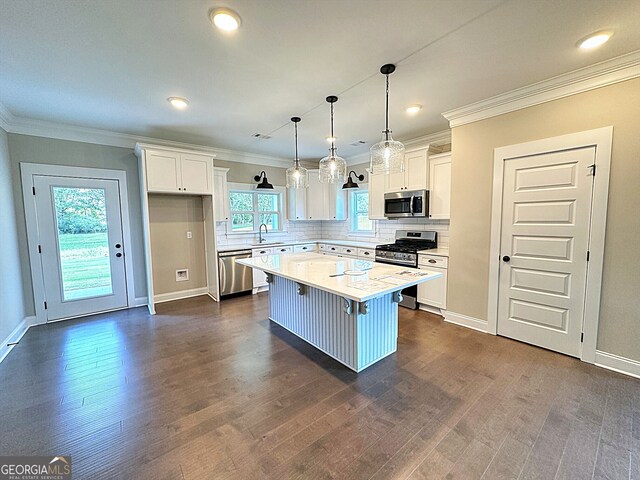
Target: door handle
(506,259)
(411,205)
(118,254)
(118,245)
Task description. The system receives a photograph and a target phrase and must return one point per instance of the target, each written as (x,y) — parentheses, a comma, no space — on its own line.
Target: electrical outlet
(182,275)
(189,235)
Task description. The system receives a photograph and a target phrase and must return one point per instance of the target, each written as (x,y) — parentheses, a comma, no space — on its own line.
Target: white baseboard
(618,364)
(465,321)
(168,297)
(430,309)
(15,336)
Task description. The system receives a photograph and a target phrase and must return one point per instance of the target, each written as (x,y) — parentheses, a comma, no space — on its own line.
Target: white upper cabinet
(321,201)
(415,175)
(440,186)
(377,187)
(220,194)
(177,172)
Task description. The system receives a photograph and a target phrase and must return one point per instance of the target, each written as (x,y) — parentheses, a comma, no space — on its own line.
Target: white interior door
(81,242)
(546,213)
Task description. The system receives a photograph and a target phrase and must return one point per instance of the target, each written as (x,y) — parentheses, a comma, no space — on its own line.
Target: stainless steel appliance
(406,204)
(404,252)
(234,278)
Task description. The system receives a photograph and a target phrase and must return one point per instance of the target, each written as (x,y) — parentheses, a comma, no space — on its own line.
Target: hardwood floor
(206,390)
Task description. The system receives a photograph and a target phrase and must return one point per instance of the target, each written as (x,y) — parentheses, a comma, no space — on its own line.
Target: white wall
(11,294)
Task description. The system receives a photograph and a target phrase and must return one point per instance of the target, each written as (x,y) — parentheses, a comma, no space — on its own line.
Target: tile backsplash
(329,230)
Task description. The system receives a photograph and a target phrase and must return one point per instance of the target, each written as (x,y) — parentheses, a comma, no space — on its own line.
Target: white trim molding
(618,69)
(617,363)
(465,321)
(42,128)
(601,139)
(179,295)
(14,337)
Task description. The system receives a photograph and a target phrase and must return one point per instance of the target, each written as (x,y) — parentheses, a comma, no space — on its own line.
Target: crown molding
(618,69)
(42,128)
(442,137)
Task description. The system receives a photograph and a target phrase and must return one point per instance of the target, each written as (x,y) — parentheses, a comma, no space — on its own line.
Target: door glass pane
(242,222)
(81,217)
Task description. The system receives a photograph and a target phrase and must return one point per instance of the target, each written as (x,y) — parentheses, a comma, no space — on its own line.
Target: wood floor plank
(205,390)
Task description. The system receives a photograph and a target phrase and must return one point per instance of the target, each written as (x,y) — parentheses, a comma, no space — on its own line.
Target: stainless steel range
(404,252)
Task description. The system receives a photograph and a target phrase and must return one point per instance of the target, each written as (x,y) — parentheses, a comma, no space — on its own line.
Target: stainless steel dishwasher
(234,278)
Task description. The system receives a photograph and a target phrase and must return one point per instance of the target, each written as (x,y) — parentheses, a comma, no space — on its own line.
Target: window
(250,209)
(359,212)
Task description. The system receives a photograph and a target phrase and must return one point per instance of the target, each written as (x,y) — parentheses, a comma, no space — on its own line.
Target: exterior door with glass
(81,245)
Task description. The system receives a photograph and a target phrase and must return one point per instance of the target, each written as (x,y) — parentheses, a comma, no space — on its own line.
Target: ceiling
(112,64)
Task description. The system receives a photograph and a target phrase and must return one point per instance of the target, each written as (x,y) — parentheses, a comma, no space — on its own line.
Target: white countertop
(345,243)
(439,252)
(315,270)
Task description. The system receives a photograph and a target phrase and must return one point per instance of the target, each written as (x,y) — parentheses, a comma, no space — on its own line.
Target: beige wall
(472,170)
(11,295)
(244,172)
(170,218)
(25,148)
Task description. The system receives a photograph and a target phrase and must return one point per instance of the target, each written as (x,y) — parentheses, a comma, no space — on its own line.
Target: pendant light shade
(387,156)
(333,169)
(297,175)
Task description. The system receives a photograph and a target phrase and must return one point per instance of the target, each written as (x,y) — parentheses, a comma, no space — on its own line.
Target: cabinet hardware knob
(506,259)
(432,260)
(118,245)
(118,254)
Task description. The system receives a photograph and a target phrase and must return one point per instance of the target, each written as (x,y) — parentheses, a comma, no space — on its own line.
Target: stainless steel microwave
(406,204)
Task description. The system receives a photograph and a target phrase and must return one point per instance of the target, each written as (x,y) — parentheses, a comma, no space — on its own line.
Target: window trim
(251,188)
(364,187)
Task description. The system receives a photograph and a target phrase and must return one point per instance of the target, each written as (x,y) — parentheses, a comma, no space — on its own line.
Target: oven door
(406,204)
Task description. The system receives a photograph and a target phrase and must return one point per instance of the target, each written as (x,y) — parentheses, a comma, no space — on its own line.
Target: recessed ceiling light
(413,109)
(225,19)
(178,102)
(330,139)
(594,40)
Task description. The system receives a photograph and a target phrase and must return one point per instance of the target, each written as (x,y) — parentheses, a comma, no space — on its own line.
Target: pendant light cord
(297,160)
(386,111)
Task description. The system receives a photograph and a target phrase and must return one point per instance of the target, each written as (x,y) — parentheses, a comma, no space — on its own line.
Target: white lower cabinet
(434,292)
(259,277)
(309,247)
(367,254)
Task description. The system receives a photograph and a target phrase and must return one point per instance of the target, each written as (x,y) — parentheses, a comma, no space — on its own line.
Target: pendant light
(264,184)
(333,168)
(350,183)
(387,156)
(297,176)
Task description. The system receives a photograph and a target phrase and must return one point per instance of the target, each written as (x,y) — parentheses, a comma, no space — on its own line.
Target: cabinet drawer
(287,249)
(304,248)
(351,251)
(260,252)
(322,247)
(366,253)
(333,249)
(433,261)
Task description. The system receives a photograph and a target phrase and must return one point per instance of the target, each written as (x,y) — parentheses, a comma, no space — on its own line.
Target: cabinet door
(316,198)
(297,203)
(416,170)
(336,202)
(440,187)
(434,292)
(377,187)
(259,277)
(395,181)
(196,174)
(220,195)
(163,171)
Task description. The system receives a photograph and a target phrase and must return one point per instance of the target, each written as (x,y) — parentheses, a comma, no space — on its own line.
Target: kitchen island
(345,307)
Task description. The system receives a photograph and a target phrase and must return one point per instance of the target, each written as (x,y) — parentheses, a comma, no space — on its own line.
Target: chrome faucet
(266,230)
